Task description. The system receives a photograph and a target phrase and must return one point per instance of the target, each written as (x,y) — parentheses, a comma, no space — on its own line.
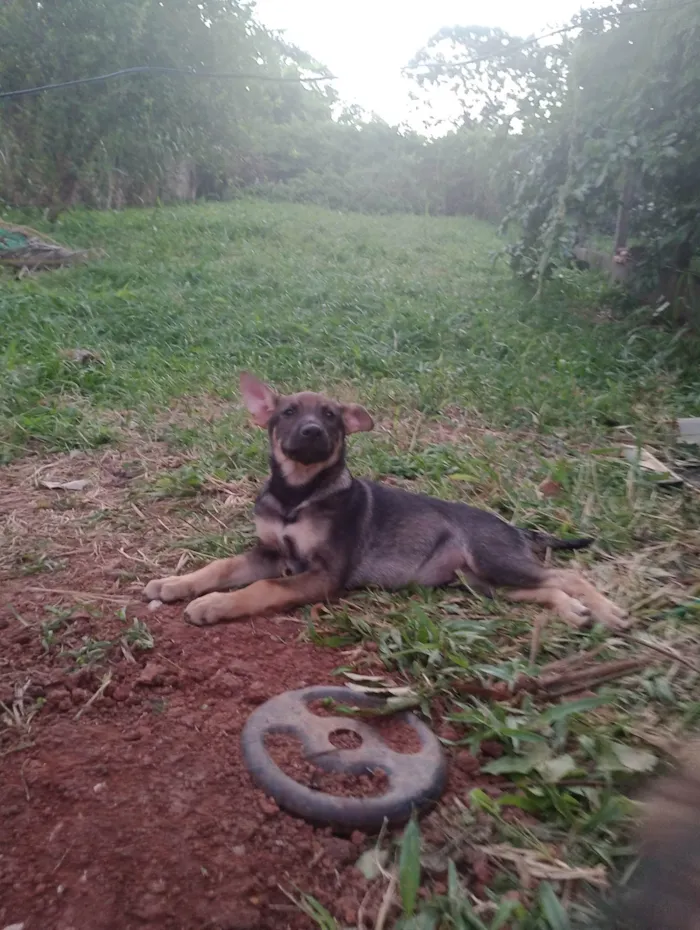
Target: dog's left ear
(356,419)
(260,399)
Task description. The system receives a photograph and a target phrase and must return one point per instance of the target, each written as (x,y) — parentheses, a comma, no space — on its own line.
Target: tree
(125,139)
(630,119)
(495,79)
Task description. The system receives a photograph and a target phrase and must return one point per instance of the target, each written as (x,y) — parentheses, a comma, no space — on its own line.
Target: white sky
(365,43)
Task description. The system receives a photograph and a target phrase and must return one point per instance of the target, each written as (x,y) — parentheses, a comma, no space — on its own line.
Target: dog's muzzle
(308,444)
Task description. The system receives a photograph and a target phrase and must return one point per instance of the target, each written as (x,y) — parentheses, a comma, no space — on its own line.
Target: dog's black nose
(311,431)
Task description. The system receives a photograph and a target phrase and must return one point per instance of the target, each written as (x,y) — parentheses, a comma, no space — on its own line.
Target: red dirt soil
(287,752)
(132,809)
(140,813)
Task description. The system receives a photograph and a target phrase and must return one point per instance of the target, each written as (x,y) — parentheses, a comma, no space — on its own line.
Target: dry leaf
(78,485)
(382,690)
(81,356)
(550,488)
(650,463)
(372,862)
(553,770)
(634,759)
(531,863)
(689,430)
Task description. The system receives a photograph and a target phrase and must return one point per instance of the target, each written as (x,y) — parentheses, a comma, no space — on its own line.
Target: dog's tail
(543,541)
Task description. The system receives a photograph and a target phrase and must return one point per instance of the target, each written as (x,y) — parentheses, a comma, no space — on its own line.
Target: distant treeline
(144,138)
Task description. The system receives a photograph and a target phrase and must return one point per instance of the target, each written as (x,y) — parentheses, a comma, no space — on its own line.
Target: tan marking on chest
(296,474)
(306,534)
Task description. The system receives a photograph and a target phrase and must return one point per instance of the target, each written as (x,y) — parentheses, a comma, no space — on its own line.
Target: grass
(81,651)
(406,311)
(480,394)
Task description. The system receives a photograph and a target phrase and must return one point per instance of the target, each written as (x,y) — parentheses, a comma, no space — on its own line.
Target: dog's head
(308,429)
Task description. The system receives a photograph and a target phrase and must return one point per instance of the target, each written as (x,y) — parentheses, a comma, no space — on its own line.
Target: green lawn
(408,310)
(480,394)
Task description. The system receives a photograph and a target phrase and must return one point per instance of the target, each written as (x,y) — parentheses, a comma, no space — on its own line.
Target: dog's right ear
(356,419)
(260,399)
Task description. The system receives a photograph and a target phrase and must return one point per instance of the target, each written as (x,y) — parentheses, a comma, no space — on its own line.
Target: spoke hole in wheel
(345,739)
(392,730)
(288,753)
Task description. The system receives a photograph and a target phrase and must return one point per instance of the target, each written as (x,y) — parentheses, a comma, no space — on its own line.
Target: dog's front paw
(210,609)
(612,616)
(577,614)
(169,589)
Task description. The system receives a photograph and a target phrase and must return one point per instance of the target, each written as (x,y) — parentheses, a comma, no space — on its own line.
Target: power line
(546,35)
(148,69)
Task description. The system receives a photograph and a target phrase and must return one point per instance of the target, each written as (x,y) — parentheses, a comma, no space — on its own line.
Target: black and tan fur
(321,532)
(664,891)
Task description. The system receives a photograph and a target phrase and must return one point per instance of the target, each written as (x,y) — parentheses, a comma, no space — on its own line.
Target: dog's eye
(328,413)
(288,412)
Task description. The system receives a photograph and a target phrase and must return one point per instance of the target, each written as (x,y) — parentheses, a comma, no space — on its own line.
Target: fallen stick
(568,681)
(616,668)
(96,696)
(82,595)
(595,680)
(667,651)
(570,661)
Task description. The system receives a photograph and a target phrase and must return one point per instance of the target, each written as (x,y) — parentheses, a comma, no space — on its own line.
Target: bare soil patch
(124,799)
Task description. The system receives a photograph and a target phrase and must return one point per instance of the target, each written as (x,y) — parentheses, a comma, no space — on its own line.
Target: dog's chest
(297,535)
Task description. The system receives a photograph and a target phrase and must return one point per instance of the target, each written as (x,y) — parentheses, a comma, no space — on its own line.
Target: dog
(321,532)
(663,892)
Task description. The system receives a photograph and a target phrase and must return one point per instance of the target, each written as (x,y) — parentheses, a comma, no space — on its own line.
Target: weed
(187,481)
(52,630)
(313,909)
(33,563)
(57,637)
(138,636)
(89,652)
(17,715)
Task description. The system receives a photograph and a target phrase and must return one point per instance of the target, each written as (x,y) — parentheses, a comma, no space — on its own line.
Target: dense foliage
(629,121)
(133,138)
(542,134)
(137,139)
(605,113)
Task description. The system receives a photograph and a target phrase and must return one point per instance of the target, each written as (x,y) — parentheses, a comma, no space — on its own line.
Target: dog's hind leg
(501,558)
(576,586)
(442,565)
(569,608)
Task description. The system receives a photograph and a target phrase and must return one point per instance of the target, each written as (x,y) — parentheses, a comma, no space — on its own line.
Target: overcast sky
(367,42)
